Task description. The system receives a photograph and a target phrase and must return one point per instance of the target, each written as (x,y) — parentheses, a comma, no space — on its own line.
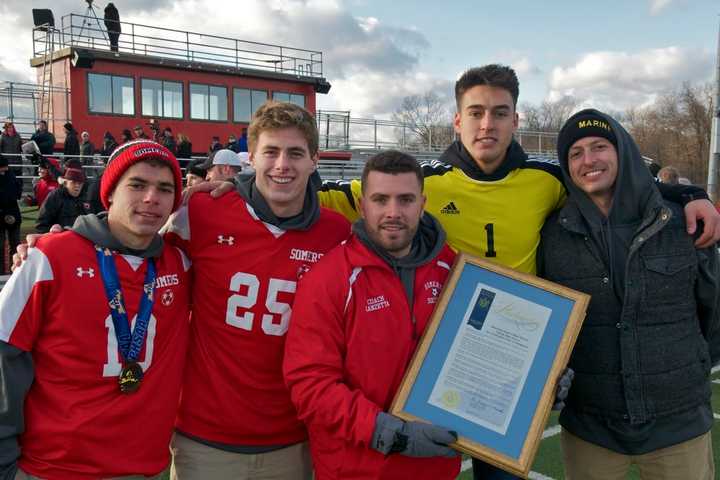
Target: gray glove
(413,439)
(563,388)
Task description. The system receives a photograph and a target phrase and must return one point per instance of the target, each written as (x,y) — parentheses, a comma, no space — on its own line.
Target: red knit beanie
(130,153)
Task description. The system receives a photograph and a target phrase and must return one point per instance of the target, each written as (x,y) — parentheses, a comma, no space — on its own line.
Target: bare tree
(550,115)
(675,129)
(426,120)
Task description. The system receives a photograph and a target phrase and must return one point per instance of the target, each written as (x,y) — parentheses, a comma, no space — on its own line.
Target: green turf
(29,216)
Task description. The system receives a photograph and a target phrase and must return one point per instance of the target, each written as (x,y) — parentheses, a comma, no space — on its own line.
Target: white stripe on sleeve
(16,292)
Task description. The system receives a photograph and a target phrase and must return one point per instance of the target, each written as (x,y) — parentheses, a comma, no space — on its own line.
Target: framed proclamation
(488,363)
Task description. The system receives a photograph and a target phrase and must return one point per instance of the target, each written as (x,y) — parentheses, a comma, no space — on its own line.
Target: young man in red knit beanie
(93,334)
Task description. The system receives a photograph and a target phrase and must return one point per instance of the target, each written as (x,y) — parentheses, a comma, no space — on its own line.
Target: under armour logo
(89,272)
(229,240)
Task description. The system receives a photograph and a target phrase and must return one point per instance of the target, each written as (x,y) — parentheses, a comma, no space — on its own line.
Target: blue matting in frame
(417,402)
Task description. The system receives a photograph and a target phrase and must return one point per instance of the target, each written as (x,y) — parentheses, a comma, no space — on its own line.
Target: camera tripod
(88,21)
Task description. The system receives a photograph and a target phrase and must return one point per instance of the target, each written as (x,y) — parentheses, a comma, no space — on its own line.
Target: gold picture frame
(505,315)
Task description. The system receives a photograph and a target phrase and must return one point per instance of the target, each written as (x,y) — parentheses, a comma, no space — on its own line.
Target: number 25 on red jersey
(245,319)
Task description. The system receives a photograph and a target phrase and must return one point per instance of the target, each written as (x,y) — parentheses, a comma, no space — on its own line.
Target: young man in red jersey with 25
(93,334)
(248,249)
(358,317)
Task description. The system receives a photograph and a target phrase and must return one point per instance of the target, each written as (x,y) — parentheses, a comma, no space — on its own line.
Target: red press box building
(197,84)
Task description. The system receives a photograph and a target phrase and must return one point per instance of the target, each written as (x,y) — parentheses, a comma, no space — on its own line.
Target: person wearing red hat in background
(48,171)
(66,203)
(93,334)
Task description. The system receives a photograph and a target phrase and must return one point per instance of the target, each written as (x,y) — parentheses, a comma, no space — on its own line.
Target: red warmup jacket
(351,339)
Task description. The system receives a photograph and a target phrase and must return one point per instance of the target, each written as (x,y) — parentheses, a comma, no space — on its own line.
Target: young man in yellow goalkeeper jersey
(491,198)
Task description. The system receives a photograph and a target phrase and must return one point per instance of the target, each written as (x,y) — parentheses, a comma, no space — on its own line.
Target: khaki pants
(20,475)
(690,460)
(195,461)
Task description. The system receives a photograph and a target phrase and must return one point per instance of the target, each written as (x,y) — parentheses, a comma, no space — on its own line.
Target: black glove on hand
(563,388)
(413,439)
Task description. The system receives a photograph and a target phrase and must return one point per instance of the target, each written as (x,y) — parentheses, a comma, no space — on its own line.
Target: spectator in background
(72,145)
(669,175)
(246,167)
(242,141)
(126,136)
(222,165)
(139,132)
(87,149)
(92,191)
(196,173)
(64,204)
(169,141)
(232,144)
(11,143)
(215,145)
(43,138)
(112,24)
(109,144)
(10,218)
(184,147)
(48,171)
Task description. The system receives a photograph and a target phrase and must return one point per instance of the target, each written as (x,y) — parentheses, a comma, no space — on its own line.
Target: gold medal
(130,377)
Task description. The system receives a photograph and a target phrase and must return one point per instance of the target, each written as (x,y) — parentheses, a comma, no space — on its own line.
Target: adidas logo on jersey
(89,272)
(450,209)
(228,240)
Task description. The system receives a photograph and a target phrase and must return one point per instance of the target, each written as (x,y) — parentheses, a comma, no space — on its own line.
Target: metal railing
(340,131)
(19,103)
(94,165)
(87,32)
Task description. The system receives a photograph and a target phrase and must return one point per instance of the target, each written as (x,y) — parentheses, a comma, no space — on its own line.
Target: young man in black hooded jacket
(642,362)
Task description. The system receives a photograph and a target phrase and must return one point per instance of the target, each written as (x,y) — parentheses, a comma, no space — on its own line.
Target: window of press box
(246,102)
(111,94)
(161,98)
(289,97)
(208,102)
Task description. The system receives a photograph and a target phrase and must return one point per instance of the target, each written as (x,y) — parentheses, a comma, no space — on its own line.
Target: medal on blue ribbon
(129,343)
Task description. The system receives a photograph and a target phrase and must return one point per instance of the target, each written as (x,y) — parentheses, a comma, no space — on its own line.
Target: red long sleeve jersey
(352,338)
(78,423)
(245,273)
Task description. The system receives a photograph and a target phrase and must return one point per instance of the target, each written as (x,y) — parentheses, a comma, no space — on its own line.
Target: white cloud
(657,6)
(617,80)
(370,63)
(524,67)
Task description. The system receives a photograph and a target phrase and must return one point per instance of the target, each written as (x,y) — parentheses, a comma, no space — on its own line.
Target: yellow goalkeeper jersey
(496,217)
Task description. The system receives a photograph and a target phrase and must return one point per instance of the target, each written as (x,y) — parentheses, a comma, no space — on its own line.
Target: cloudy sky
(612,54)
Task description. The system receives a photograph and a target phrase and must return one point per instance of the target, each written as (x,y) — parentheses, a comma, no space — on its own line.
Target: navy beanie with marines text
(589,124)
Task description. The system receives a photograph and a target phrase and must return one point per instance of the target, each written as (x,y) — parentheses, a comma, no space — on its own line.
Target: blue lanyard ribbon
(129,343)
